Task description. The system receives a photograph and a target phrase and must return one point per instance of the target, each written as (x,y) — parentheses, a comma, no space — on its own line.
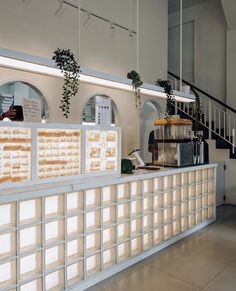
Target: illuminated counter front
(73,234)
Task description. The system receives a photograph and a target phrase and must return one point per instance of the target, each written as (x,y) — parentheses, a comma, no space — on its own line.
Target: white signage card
(103,111)
(32,110)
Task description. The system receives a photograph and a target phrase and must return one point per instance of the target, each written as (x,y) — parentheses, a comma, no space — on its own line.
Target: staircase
(218,120)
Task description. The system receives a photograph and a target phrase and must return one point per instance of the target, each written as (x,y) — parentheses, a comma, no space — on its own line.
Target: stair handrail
(203,92)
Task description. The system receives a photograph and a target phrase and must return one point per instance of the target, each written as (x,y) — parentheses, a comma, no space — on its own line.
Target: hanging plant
(136,83)
(170,99)
(66,62)
(197,114)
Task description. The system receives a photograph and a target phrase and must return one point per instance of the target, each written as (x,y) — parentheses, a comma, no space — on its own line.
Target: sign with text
(32,110)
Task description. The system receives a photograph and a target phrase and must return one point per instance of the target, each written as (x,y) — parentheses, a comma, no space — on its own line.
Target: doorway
(150,111)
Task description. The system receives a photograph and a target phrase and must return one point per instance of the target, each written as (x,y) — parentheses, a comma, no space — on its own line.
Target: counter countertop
(93,182)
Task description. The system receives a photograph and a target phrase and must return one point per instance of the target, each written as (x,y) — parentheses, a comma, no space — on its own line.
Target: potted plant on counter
(66,62)
(136,83)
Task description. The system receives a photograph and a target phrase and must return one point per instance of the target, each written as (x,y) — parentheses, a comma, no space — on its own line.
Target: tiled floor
(205,261)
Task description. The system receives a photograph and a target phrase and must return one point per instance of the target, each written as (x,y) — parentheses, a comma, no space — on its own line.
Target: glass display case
(34,153)
(58,152)
(102,151)
(15,154)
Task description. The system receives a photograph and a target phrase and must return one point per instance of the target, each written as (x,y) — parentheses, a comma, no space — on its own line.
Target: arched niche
(13,92)
(150,111)
(88,115)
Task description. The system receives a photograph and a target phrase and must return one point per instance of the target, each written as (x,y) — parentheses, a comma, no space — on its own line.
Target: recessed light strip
(21,61)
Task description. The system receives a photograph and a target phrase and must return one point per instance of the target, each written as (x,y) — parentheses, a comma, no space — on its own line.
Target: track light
(130,33)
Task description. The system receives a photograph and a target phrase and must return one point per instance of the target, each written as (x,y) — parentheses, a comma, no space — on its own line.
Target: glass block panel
(54,281)
(147,240)
(158,201)
(184,208)
(108,237)
(176,211)
(30,211)
(198,203)
(211,173)
(108,195)
(167,214)
(211,187)
(204,175)
(54,206)
(93,220)
(192,220)
(123,251)
(176,196)
(147,186)
(176,227)
(30,266)
(122,192)
(75,225)
(54,256)
(92,198)
(184,179)
(7,215)
(167,198)
(54,231)
(198,189)
(198,217)
(136,207)
(158,184)
(168,231)
(176,180)
(75,273)
(92,242)
(147,204)
(192,205)
(204,201)
(7,245)
(147,222)
(136,246)
(93,265)
(184,223)
(108,215)
(74,201)
(158,236)
(198,175)
(135,226)
(204,188)
(123,231)
(192,191)
(205,214)
(167,182)
(210,212)
(109,258)
(30,238)
(75,249)
(35,285)
(158,218)
(135,189)
(7,274)
(192,177)
(122,211)
(184,193)
(211,199)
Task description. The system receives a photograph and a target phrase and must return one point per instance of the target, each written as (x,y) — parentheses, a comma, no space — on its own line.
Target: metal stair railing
(217,117)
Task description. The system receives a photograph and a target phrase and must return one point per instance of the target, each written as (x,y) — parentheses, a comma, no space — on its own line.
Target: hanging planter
(136,83)
(66,62)
(170,100)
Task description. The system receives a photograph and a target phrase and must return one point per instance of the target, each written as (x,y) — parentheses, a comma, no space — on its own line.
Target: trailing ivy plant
(136,83)
(197,113)
(170,99)
(66,62)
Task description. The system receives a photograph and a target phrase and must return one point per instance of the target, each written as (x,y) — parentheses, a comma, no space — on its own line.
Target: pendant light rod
(39,65)
(99,17)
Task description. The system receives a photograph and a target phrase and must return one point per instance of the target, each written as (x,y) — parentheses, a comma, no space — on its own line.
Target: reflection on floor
(204,261)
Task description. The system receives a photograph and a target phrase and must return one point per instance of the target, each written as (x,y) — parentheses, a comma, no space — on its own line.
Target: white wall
(34,28)
(210,45)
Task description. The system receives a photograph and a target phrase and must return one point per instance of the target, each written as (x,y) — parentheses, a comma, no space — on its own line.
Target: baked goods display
(58,152)
(15,154)
(101,150)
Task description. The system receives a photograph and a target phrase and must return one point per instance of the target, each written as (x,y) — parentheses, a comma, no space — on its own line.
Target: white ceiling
(174,5)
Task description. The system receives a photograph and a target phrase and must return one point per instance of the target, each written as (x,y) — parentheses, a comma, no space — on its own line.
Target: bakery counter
(73,234)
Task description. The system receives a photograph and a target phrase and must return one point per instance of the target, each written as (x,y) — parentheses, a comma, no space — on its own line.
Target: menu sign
(32,110)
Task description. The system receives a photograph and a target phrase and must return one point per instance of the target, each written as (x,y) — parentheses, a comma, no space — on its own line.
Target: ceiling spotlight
(112,26)
(130,33)
(60,9)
